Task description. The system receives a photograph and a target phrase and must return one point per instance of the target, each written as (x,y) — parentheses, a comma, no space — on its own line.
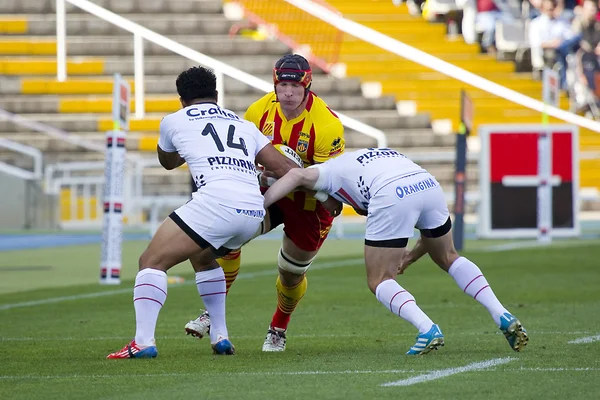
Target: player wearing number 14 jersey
(221,150)
(294,116)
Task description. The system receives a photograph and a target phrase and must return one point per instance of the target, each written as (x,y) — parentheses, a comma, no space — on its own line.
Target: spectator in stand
(535,7)
(565,9)
(546,35)
(488,12)
(589,46)
(469,9)
(584,18)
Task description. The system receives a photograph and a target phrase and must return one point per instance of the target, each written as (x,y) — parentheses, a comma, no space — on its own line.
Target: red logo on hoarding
(124,94)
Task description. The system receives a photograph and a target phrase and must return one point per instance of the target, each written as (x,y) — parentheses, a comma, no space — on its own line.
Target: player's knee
(143,260)
(444,259)
(372,284)
(147,260)
(289,264)
(375,279)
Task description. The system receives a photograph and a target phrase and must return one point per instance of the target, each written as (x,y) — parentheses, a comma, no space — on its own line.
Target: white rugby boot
(199,327)
(275,340)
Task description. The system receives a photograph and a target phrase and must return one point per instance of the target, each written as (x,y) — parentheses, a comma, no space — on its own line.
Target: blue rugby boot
(428,341)
(513,331)
(223,347)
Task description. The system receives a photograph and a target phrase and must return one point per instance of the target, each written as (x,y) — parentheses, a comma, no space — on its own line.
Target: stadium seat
(510,35)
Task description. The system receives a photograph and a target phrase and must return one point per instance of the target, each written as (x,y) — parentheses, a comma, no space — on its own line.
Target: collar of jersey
(293,120)
(212,103)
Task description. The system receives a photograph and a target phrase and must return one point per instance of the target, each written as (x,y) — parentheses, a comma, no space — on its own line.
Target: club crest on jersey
(302,146)
(408,190)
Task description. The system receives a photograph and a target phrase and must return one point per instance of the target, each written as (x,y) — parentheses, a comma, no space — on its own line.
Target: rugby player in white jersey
(397,196)
(227,210)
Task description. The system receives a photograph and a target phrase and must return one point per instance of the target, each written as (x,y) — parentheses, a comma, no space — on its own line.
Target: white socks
(149,295)
(399,301)
(471,280)
(212,288)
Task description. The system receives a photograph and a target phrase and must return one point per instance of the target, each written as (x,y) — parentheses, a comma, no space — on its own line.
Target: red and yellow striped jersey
(316,135)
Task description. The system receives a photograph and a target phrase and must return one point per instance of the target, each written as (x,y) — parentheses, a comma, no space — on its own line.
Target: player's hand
(264,178)
(360,211)
(333,206)
(406,261)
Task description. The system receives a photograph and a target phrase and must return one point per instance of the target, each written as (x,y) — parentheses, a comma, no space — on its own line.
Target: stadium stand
(96,50)
(416,108)
(418,90)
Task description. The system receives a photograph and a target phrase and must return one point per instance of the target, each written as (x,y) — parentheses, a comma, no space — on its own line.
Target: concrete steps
(214,45)
(164,103)
(118,6)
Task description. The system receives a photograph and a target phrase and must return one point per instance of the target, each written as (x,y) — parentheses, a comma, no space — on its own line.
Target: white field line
(288,373)
(242,337)
(587,339)
(442,373)
(249,275)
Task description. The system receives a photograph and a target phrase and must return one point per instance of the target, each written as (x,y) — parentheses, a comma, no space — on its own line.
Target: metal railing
(38,161)
(141,33)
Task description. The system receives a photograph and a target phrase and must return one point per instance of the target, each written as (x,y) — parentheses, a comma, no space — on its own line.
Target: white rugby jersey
(219,148)
(354,177)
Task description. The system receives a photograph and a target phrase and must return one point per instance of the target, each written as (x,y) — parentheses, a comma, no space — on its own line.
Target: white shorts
(211,224)
(395,210)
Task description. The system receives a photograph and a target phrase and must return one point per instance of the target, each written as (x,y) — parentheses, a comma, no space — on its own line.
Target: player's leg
(437,239)
(389,225)
(291,285)
(169,246)
(305,231)
(381,264)
(210,282)
(232,261)
(230,264)
(228,230)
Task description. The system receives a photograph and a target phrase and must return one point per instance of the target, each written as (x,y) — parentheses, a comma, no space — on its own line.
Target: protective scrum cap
(293,68)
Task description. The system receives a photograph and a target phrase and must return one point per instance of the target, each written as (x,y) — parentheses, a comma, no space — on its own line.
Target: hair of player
(197,83)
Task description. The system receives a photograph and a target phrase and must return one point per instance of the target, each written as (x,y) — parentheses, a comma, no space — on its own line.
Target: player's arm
(295,178)
(169,160)
(168,156)
(274,162)
(412,256)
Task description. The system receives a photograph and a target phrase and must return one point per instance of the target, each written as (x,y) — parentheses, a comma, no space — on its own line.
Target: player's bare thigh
(169,246)
(203,260)
(382,264)
(441,249)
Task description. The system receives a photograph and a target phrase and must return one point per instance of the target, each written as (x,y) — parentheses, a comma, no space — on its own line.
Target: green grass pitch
(57,325)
